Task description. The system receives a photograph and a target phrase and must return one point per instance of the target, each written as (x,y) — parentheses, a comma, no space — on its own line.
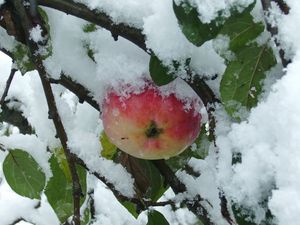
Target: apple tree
(68,54)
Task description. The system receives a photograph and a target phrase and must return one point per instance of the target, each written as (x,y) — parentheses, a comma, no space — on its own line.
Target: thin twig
(8,83)
(53,111)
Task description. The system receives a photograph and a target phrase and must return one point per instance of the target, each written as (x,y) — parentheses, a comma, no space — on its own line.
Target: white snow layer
(268,141)
(210,9)
(130,12)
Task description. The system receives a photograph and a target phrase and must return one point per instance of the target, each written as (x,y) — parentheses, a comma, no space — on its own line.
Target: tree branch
(27,25)
(81,11)
(8,83)
(81,92)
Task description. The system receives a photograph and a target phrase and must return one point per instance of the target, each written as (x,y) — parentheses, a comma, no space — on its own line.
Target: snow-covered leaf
(242,81)
(159,73)
(241,29)
(23,174)
(21,57)
(108,149)
(192,27)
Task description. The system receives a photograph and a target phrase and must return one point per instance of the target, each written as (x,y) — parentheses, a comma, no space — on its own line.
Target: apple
(149,124)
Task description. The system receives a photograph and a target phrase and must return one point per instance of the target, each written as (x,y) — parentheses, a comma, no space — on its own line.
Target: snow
(120,12)
(206,186)
(270,150)
(166,39)
(36,34)
(14,206)
(115,61)
(288,33)
(7,41)
(267,147)
(267,141)
(209,9)
(32,145)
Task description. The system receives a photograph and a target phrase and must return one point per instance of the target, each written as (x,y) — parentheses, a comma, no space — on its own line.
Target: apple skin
(148,125)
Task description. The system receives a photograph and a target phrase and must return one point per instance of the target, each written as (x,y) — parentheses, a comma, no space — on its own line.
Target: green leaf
(109,150)
(242,81)
(90,27)
(23,174)
(62,162)
(131,207)
(21,56)
(148,181)
(59,190)
(159,72)
(241,29)
(45,18)
(192,27)
(156,218)
(86,217)
(89,51)
(156,188)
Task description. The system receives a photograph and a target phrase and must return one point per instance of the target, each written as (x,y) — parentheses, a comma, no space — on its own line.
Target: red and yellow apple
(149,125)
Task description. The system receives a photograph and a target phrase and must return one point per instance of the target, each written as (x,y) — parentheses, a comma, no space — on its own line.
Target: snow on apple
(149,124)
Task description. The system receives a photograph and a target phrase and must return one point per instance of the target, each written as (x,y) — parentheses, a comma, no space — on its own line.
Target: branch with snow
(266,5)
(27,25)
(15,117)
(81,11)
(81,92)
(8,83)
